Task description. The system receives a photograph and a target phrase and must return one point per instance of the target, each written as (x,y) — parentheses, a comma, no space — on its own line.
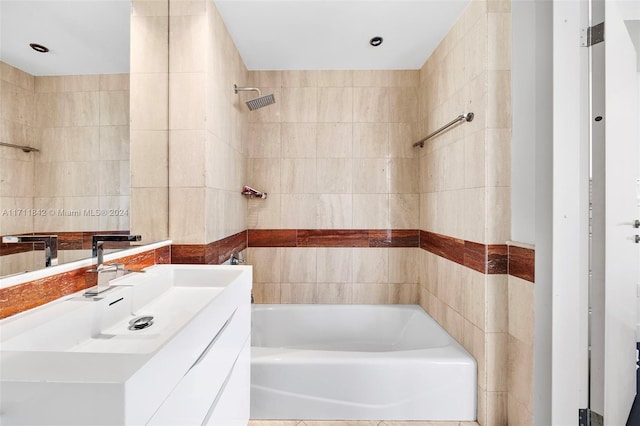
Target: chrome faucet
(106,273)
(236,258)
(50,245)
(97,244)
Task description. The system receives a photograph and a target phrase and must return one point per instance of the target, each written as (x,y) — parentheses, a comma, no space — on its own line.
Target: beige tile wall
(18,127)
(207,123)
(20,262)
(465,172)
(83,132)
(183,108)
(464,191)
(149,102)
(81,126)
(473,308)
(227,120)
(520,345)
(334,152)
(334,275)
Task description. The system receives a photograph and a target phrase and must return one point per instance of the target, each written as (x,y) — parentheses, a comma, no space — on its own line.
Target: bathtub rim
(263,353)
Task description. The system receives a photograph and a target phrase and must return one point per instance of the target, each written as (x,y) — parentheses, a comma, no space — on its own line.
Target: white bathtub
(357,362)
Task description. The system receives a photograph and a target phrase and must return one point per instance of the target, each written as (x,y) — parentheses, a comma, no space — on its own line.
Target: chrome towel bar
(22,147)
(247,190)
(462,117)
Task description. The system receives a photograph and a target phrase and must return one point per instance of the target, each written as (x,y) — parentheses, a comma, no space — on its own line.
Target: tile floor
(353,423)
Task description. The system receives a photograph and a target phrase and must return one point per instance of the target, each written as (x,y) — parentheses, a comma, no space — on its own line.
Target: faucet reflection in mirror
(50,245)
(106,273)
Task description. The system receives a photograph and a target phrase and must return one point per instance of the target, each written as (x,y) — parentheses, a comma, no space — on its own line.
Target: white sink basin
(101,324)
(83,349)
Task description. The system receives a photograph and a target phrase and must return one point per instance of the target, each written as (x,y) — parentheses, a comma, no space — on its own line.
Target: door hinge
(592,35)
(586,417)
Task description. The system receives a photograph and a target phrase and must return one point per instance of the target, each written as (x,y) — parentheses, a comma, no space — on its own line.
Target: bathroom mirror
(64,76)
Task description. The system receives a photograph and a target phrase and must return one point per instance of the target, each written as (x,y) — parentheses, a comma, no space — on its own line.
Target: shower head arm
(237,89)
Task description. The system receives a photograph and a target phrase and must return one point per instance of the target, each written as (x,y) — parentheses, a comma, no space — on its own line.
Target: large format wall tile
(80,123)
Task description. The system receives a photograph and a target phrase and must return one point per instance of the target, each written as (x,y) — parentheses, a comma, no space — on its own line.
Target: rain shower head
(259,102)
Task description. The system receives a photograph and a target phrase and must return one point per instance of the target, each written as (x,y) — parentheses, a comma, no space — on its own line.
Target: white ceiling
(84,36)
(335,34)
(92,36)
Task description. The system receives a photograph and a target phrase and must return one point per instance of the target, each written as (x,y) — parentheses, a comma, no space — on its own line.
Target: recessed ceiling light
(39,48)
(376,41)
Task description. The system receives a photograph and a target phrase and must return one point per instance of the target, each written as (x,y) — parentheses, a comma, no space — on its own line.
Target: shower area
(355,214)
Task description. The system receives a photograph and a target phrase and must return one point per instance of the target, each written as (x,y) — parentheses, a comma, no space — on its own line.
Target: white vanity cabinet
(215,389)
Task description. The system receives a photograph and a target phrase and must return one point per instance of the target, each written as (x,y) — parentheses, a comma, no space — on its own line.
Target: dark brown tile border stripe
(226,246)
(450,248)
(188,253)
(394,238)
(488,259)
(475,256)
(163,255)
(497,259)
(272,238)
(485,258)
(15,248)
(214,253)
(333,238)
(522,263)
